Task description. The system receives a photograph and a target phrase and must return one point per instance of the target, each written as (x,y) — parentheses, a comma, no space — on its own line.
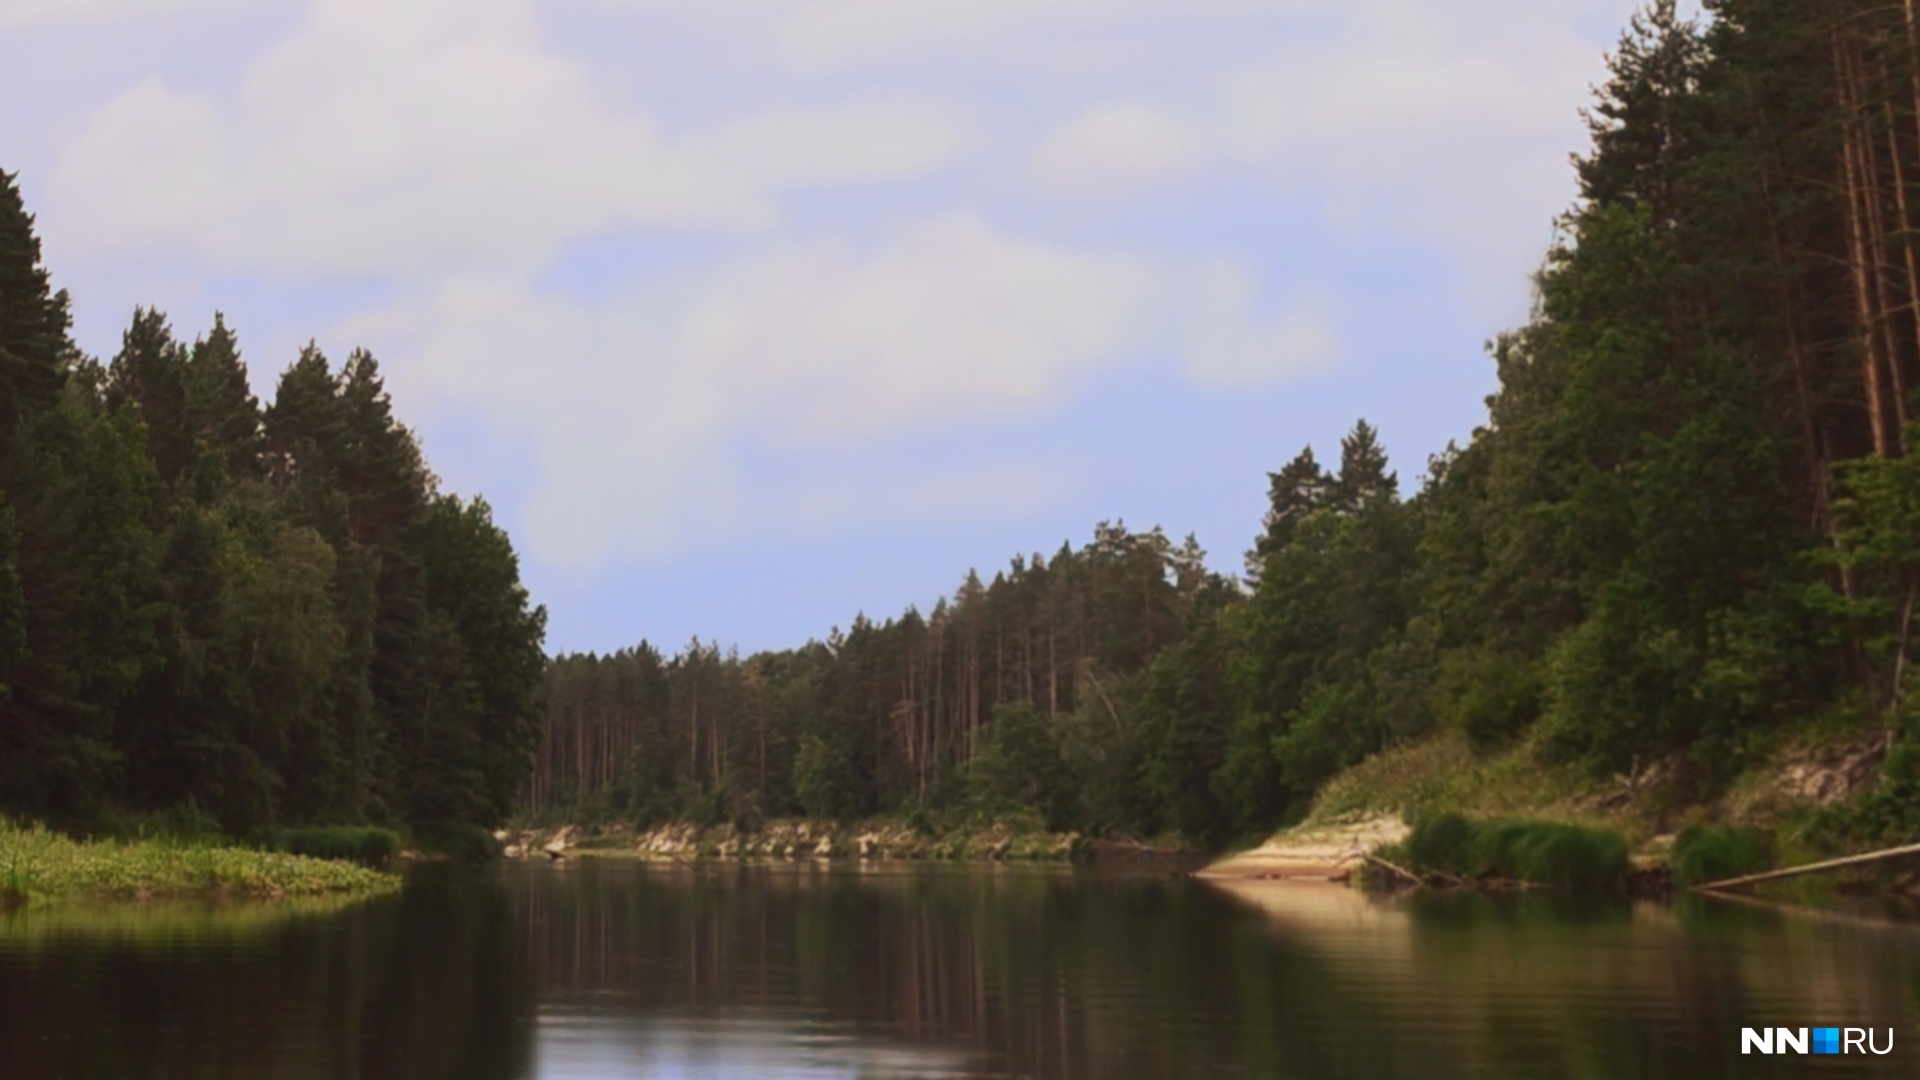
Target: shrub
(455,840)
(1703,853)
(1489,696)
(369,846)
(1538,852)
(824,781)
(1442,843)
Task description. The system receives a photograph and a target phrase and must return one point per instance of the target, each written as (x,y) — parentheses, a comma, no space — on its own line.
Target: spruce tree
(1298,489)
(1364,480)
(33,318)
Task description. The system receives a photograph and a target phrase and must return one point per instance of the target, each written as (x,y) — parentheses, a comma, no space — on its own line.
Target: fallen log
(1400,870)
(1810,868)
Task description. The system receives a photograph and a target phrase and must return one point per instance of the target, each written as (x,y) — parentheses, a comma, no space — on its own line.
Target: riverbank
(1815,795)
(873,840)
(39,866)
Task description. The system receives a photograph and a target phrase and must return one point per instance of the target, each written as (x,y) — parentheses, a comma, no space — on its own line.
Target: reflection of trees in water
(399,988)
(1041,975)
(910,972)
(1036,972)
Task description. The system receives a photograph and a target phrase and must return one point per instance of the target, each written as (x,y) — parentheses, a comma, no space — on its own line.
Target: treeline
(1021,674)
(1691,518)
(266,615)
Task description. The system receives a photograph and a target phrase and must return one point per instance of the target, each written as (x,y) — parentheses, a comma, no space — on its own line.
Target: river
(623,969)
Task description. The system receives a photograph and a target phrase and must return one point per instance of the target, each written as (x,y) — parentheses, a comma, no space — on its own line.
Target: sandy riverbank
(1310,853)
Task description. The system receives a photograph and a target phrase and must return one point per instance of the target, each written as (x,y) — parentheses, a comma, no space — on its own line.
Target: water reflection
(617,969)
(427,984)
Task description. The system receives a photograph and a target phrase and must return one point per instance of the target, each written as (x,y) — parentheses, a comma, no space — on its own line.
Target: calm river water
(616,969)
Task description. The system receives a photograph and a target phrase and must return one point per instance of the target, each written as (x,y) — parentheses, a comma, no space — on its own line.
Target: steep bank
(1817,793)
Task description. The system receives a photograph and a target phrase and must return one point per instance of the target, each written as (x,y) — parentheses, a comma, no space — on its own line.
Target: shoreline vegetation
(1452,815)
(39,866)
(880,839)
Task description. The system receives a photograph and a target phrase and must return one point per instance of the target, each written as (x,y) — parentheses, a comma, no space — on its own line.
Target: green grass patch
(1536,852)
(1703,853)
(354,843)
(37,865)
(1444,774)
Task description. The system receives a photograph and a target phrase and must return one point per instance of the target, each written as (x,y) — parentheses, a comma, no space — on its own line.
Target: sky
(750,315)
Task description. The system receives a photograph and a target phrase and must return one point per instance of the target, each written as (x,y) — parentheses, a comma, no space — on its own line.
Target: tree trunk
(1861,271)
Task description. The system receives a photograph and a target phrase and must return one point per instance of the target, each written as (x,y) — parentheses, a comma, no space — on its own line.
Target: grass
(1536,852)
(1443,774)
(38,865)
(1703,853)
(354,843)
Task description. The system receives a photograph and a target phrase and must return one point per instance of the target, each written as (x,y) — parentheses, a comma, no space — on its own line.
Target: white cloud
(862,164)
(839,33)
(1228,346)
(1117,149)
(28,14)
(859,143)
(389,139)
(638,404)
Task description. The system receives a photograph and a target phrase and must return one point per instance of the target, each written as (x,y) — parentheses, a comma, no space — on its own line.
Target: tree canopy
(273,615)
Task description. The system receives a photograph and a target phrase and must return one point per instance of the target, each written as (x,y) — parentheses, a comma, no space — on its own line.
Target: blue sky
(747,315)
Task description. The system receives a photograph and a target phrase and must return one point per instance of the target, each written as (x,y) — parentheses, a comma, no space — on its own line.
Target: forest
(1689,521)
(233,615)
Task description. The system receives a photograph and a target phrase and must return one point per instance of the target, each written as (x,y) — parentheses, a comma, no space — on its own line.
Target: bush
(454,840)
(1489,696)
(354,843)
(1537,852)
(1703,853)
(824,781)
(1443,843)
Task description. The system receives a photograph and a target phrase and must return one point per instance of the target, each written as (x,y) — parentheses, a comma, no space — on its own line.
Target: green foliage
(1704,853)
(1538,852)
(457,840)
(823,780)
(1018,766)
(355,843)
(1489,695)
(37,864)
(273,617)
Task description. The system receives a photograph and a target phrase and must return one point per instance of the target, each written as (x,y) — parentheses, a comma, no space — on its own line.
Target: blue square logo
(1826,1040)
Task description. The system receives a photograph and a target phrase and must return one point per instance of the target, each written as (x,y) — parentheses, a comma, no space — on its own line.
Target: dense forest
(1691,519)
(262,616)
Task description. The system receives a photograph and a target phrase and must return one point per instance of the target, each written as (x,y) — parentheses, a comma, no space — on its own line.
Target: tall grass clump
(1536,852)
(354,843)
(1704,853)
